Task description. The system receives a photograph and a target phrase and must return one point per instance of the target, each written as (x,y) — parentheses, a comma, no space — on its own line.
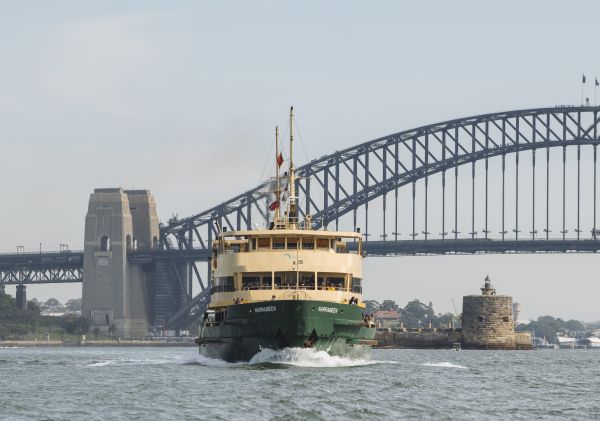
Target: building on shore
(388,319)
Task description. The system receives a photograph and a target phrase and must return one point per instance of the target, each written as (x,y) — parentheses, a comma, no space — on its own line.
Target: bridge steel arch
(340,183)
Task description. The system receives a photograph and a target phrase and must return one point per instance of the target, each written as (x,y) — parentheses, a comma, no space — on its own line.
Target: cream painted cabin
(286,264)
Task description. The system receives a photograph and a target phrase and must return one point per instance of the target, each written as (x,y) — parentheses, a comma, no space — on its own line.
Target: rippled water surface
(175,383)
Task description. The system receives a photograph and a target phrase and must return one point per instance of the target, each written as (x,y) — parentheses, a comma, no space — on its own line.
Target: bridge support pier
(115,291)
(21,297)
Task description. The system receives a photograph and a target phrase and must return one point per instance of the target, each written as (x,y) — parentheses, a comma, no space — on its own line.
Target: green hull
(338,329)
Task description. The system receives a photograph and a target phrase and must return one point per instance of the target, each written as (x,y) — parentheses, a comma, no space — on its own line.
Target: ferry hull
(338,329)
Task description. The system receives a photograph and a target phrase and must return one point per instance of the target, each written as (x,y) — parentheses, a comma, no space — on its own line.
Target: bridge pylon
(114,290)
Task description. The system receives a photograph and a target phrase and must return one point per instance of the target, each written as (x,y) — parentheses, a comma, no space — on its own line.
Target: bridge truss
(41,268)
(349,182)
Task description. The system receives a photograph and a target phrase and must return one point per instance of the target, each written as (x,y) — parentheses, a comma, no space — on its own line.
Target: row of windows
(286,243)
(287,280)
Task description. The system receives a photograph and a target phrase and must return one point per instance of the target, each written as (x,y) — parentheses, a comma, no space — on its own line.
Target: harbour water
(175,383)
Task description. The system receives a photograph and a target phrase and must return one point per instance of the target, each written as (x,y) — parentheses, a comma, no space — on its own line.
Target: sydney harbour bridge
(521,181)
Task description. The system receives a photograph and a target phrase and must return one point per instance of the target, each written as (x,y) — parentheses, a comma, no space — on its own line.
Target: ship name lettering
(265,309)
(328,309)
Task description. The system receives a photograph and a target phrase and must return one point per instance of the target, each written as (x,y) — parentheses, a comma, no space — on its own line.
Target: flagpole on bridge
(582,83)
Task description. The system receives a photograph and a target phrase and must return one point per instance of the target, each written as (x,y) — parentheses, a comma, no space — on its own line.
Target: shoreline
(99,344)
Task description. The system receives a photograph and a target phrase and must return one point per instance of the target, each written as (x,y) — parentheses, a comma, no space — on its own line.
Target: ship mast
(292,216)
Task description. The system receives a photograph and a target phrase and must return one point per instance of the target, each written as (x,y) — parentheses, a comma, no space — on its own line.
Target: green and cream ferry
(286,286)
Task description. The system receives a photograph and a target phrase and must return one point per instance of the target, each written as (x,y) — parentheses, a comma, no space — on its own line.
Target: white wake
(444,364)
(306,357)
(299,357)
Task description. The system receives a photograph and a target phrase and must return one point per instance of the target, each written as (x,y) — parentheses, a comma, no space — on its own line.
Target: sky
(181,98)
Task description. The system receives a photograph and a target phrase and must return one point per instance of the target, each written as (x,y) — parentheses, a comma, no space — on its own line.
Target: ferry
(287,285)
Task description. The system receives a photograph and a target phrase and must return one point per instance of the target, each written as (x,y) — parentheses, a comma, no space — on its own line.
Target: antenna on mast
(293,217)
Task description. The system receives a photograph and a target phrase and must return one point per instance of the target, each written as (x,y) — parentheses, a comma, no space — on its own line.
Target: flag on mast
(279,159)
(583,79)
(597,84)
(274,205)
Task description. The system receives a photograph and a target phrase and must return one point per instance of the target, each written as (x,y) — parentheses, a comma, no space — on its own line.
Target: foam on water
(104,363)
(99,364)
(306,357)
(299,357)
(444,364)
(208,362)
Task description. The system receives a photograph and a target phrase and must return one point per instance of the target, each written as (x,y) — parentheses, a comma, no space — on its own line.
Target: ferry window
(336,283)
(307,280)
(331,282)
(357,285)
(264,243)
(322,243)
(266,282)
(223,284)
(250,282)
(253,242)
(292,243)
(308,244)
(285,280)
(278,243)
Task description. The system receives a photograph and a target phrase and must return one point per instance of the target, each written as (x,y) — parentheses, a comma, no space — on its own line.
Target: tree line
(16,323)
(414,314)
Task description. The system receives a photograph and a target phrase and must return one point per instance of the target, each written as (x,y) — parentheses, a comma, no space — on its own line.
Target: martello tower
(115,291)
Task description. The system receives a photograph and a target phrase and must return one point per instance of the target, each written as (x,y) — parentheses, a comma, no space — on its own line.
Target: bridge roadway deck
(41,268)
(67,266)
(478,246)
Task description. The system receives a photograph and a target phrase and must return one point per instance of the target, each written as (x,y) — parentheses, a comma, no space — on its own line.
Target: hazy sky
(181,97)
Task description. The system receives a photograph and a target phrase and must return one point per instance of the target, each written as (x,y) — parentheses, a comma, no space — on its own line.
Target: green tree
(416,314)
(575,326)
(442,320)
(73,305)
(8,307)
(52,302)
(33,307)
(389,305)
(548,327)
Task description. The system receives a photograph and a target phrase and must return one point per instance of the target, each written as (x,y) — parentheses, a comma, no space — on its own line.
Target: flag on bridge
(274,205)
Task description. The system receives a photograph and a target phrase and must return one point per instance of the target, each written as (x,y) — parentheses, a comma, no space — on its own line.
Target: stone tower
(114,290)
(487,320)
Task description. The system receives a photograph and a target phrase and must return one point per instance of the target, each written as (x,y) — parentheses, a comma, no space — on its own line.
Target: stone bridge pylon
(116,291)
